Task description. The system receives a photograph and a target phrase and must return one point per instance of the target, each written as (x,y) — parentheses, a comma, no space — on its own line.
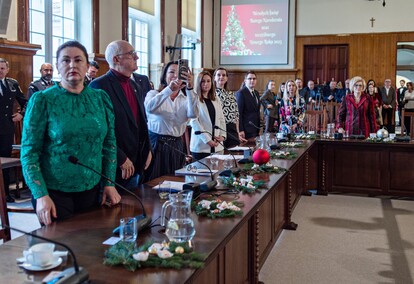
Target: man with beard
(46,71)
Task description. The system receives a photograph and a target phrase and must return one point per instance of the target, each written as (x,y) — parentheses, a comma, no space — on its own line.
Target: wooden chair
(18,127)
(332,109)
(411,116)
(4,217)
(316,120)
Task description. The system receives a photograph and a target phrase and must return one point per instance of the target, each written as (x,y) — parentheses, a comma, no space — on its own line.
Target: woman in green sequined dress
(65,120)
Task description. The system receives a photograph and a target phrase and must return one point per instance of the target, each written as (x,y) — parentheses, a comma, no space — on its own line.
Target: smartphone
(182,68)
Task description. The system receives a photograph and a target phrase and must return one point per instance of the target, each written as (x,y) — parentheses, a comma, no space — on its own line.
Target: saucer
(28,266)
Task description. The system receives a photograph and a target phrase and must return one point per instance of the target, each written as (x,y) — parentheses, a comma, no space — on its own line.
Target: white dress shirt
(168,117)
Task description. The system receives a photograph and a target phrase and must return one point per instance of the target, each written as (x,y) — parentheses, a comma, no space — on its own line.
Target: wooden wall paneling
(400,173)
(372,56)
(210,273)
(265,229)
(20,58)
(236,78)
(236,251)
(355,167)
(280,195)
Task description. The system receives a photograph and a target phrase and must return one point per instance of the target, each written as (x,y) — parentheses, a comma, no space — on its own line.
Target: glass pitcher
(180,226)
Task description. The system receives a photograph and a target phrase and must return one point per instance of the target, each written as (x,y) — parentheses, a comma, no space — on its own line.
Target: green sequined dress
(59,124)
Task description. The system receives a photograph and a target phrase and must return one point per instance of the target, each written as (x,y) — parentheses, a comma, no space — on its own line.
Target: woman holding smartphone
(168,111)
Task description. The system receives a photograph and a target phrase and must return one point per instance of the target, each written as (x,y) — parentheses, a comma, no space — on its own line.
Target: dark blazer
(268,98)
(143,82)
(38,85)
(132,140)
(249,110)
(12,92)
(400,95)
(390,99)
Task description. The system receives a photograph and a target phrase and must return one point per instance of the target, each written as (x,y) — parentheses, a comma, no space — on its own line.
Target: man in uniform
(46,71)
(9,92)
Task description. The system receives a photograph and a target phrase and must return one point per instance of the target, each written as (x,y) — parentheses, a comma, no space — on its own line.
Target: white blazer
(198,143)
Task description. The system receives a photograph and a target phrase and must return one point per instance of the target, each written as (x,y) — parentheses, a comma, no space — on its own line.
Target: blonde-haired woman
(357,114)
(208,139)
(292,108)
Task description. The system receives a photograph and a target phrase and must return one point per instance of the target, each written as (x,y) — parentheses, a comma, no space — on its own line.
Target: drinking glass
(128,229)
(214,161)
(164,190)
(228,163)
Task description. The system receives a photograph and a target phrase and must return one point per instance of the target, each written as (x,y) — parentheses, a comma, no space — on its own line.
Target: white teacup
(392,135)
(280,135)
(373,135)
(41,254)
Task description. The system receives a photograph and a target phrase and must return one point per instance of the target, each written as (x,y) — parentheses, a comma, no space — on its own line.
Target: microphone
(227,149)
(142,220)
(254,125)
(73,274)
(234,137)
(204,186)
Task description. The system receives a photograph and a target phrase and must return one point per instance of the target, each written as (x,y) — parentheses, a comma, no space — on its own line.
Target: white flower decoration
(141,256)
(222,206)
(164,254)
(154,248)
(205,204)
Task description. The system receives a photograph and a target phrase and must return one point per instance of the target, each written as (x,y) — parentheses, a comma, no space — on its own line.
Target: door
(325,62)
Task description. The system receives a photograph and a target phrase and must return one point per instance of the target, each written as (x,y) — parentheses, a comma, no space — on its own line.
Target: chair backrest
(4,217)
(316,120)
(332,109)
(411,116)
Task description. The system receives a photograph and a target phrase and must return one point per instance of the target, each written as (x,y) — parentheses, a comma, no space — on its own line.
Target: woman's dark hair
(211,93)
(72,43)
(267,85)
(163,79)
(227,74)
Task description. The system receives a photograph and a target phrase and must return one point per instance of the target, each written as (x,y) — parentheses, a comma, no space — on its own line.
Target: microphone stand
(234,137)
(142,220)
(206,186)
(227,149)
(254,125)
(70,275)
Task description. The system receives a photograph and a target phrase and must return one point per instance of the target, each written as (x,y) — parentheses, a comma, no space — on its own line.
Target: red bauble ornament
(261,156)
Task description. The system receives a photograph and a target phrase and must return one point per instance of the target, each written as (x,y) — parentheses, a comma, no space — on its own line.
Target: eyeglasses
(133,53)
(358,85)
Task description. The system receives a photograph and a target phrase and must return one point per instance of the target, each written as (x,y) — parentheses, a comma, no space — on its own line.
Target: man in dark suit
(388,105)
(46,71)
(132,139)
(9,92)
(400,97)
(248,102)
(143,82)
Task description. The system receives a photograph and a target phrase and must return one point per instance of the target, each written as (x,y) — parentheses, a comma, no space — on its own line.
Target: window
(138,37)
(51,23)
(190,31)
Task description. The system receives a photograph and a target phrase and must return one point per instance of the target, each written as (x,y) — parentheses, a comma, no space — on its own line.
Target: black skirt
(232,139)
(168,156)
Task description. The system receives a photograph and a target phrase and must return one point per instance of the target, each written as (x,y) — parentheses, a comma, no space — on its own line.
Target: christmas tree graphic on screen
(233,36)
(254,33)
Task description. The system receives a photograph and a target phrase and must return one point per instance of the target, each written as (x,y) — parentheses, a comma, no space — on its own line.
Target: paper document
(198,172)
(239,148)
(174,185)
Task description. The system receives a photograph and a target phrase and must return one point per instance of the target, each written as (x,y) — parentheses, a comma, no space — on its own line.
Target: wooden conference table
(236,248)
